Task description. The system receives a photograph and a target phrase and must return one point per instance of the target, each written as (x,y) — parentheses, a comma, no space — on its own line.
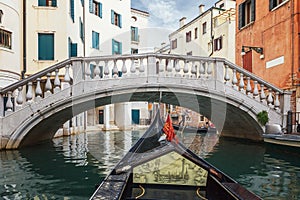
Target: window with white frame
(174,44)
(45,46)
(95,7)
(5,39)
(116,47)
(95,40)
(188,36)
(204,28)
(116,19)
(246,13)
(51,3)
(275,3)
(218,44)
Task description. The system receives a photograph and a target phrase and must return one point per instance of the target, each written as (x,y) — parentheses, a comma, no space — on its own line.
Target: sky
(166,13)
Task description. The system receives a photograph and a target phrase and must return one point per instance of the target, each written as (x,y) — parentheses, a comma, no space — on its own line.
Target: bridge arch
(208,90)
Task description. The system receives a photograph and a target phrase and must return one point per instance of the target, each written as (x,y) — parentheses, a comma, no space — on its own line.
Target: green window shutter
(82,2)
(69,46)
(81,30)
(72,13)
(91,6)
(73,49)
(241,15)
(120,47)
(45,46)
(113,47)
(271,4)
(100,10)
(42,3)
(54,3)
(136,34)
(95,40)
(120,20)
(252,10)
(112,17)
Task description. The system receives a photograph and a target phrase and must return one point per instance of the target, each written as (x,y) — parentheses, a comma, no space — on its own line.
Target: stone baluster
(270,98)
(67,78)
(186,69)
(177,69)
(209,69)
(106,69)
(132,68)
(262,94)
(234,80)
(202,69)
(9,104)
(115,70)
(88,72)
(255,91)
(194,70)
(124,68)
(169,68)
(29,94)
(242,84)
(142,66)
(97,70)
(56,82)
(20,96)
(48,86)
(38,90)
(277,102)
(249,88)
(227,77)
(161,66)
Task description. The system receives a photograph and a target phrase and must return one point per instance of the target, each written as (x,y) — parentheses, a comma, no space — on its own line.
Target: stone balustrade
(63,75)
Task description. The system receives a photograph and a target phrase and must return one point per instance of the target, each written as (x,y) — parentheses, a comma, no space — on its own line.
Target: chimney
(201,9)
(182,22)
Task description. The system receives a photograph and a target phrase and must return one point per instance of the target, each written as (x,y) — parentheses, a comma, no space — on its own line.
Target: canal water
(71,167)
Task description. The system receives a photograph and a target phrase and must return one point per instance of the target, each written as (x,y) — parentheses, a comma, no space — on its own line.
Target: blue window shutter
(42,3)
(113,47)
(54,3)
(72,10)
(97,41)
(45,46)
(112,17)
(91,6)
(136,34)
(120,47)
(69,46)
(82,2)
(120,20)
(253,10)
(73,49)
(100,10)
(93,39)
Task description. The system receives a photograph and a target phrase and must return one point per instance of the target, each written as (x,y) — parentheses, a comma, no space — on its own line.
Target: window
(196,33)
(218,44)
(204,28)
(5,39)
(51,3)
(95,40)
(116,47)
(95,8)
(81,30)
(82,2)
(1,14)
(72,49)
(134,34)
(134,51)
(116,19)
(190,53)
(46,46)
(188,36)
(174,44)
(246,13)
(275,3)
(72,14)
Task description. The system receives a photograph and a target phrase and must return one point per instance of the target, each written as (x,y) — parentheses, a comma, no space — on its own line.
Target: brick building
(268,34)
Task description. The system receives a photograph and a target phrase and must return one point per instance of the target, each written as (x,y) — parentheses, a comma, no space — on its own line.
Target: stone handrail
(120,66)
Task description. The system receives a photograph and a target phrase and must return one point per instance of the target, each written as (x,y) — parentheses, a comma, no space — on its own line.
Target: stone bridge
(34,108)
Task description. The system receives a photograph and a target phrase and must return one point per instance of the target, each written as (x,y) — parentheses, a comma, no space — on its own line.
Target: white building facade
(10,42)
(210,34)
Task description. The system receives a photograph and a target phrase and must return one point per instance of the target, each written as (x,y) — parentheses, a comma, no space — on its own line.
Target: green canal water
(71,167)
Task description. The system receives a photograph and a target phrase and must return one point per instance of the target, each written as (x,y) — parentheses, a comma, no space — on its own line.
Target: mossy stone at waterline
(263,117)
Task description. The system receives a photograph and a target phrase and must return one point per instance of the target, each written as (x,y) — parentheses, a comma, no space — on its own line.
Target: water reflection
(70,167)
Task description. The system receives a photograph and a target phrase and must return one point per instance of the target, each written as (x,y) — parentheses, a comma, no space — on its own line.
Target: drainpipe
(24,41)
(293,40)
(211,32)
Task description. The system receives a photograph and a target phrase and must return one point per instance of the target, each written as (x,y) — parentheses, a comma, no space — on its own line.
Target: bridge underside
(229,119)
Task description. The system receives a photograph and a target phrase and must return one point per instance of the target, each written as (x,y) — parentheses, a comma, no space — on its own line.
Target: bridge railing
(62,75)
